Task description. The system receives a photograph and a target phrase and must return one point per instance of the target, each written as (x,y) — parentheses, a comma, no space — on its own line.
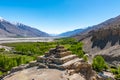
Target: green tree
(77,49)
(99,63)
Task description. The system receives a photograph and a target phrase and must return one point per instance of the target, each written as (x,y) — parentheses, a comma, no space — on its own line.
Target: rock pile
(59,58)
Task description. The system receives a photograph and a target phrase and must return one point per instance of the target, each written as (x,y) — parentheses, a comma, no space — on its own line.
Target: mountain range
(102,39)
(8,29)
(70,33)
(77,32)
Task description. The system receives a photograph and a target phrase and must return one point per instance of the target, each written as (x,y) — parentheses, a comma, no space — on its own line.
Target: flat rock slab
(37,74)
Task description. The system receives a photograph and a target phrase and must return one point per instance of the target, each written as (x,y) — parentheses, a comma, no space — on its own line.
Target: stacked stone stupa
(59,58)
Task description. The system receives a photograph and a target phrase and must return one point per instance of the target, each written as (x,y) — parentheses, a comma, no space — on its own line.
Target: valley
(60,40)
(98,45)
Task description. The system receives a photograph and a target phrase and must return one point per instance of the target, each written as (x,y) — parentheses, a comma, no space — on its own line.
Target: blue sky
(56,16)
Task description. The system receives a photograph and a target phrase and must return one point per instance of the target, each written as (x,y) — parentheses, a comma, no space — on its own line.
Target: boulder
(68,58)
(61,50)
(85,69)
(76,77)
(63,54)
(52,51)
(47,54)
(33,63)
(54,66)
(18,68)
(70,72)
(41,59)
(41,65)
(57,61)
(69,64)
(59,47)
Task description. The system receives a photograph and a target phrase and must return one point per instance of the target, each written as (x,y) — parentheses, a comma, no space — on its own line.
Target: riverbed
(33,39)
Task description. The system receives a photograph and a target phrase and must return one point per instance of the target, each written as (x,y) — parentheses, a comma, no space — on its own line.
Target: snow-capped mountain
(8,29)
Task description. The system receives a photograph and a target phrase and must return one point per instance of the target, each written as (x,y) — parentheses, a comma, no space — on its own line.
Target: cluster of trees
(39,48)
(2,49)
(31,48)
(24,52)
(7,61)
(64,41)
(76,48)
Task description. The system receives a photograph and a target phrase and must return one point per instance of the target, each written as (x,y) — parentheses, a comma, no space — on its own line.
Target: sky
(57,16)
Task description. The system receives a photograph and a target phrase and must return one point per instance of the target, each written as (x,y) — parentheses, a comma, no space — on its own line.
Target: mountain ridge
(70,33)
(103,39)
(81,31)
(8,29)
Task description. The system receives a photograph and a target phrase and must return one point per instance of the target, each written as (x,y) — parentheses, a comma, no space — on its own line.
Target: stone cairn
(62,59)
(58,58)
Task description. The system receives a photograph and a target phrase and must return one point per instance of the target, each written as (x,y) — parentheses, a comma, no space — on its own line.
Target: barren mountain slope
(8,29)
(103,39)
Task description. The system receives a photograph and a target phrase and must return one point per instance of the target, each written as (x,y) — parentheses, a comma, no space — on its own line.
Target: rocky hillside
(8,29)
(103,39)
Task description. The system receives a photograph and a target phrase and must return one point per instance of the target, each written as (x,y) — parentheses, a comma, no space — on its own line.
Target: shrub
(99,63)
(85,57)
(7,61)
(2,49)
(114,71)
(117,77)
(1,73)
